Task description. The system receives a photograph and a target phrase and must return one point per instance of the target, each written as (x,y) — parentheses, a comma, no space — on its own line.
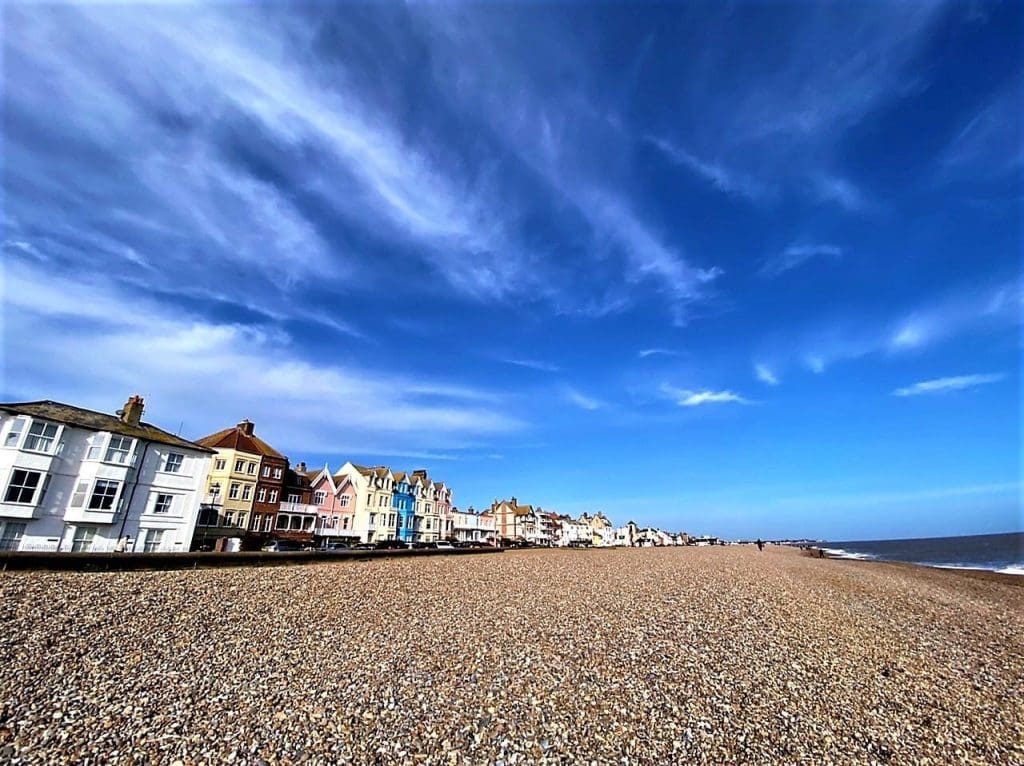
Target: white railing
(289,507)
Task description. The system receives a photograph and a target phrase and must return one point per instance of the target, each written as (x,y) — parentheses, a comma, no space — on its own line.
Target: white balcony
(288,507)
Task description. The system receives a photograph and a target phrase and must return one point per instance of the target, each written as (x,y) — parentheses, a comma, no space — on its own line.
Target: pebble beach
(620,656)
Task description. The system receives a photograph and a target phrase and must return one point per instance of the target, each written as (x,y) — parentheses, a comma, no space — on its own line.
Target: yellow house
(231,484)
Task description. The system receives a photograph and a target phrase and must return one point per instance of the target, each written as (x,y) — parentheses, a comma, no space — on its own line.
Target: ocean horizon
(1003,552)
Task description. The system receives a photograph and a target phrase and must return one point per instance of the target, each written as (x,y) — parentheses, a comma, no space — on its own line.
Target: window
(81,542)
(319,497)
(247,491)
(154,539)
(266,471)
(14,434)
(41,436)
(219,464)
(23,485)
(239,466)
(163,503)
(252,468)
(277,473)
(334,522)
(400,522)
(382,501)
(373,519)
(282,521)
(391,519)
(173,461)
(428,508)
(344,501)
(428,523)
(229,518)
(266,522)
(119,449)
(10,538)
(104,492)
(293,498)
(273,496)
(344,522)
(257,520)
(233,492)
(78,497)
(261,494)
(215,488)
(95,447)
(241,520)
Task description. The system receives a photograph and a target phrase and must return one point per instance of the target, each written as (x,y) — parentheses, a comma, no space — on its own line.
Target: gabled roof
(91,420)
(236,438)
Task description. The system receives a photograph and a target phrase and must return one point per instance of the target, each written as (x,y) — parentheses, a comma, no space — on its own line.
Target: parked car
(390,545)
(444,545)
(335,547)
(478,544)
(283,546)
(421,545)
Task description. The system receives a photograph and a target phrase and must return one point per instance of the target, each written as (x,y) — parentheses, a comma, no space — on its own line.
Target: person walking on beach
(760,544)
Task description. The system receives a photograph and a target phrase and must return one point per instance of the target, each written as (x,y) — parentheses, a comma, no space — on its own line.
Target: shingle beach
(630,656)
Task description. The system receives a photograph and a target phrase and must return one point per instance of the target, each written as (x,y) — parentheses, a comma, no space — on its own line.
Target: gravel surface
(654,656)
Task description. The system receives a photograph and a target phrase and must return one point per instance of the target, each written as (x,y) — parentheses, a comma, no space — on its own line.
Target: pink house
(335,499)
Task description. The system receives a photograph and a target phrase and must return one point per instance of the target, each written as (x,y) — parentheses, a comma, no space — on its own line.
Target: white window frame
(247,491)
(149,545)
(15,432)
(52,440)
(113,498)
(110,451)
(320,496)
(266,472)
(157,504)
(9,541)
(273,496)
(175,459)
(251,470)
(83,534)
(220,464)
(234,490)
(293,498)
(36,489)
(277,473)
(239,465)
(261,495)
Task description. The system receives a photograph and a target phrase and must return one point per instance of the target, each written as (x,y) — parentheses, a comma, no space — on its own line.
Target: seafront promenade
(625,656)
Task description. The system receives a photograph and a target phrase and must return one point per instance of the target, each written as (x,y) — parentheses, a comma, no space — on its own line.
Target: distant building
(471,526)
(335,499)
(85,481)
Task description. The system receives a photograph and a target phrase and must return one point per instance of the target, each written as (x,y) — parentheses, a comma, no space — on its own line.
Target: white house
(78,480)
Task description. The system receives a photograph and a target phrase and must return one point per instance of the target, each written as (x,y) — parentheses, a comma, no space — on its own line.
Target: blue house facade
(404,505)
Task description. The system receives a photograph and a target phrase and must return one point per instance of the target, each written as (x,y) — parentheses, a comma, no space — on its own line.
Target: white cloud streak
(687,398)
(946,385)
(582,401)
(766,375)
(796,255)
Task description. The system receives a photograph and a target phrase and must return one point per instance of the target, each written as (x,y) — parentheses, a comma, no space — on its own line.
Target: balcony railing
(289,507)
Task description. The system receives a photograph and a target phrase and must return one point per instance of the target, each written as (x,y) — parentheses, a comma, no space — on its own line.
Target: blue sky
(733,268)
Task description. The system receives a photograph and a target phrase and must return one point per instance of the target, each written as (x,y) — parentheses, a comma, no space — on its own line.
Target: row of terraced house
(78,480)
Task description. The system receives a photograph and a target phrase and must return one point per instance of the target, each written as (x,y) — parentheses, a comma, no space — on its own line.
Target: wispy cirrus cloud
(991,144)
(688,398)
(644,353)
(723,179)
(191,366)
(532,364)
(796,255)
(581,400)
(946,385)
(765,374)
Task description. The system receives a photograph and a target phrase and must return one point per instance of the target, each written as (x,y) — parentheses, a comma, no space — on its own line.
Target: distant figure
(760,544)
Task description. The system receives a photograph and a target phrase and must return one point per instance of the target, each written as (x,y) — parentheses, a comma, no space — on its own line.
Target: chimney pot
(301,467)
(247,427)
(133,409)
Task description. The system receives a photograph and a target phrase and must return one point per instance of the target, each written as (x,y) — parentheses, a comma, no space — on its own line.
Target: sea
(996,553)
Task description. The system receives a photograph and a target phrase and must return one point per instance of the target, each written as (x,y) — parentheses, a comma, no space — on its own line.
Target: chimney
(301,468)
(246,427)
(514,504)
(133,408)
(421,472)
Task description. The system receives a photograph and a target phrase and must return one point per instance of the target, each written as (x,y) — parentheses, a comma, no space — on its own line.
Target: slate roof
(91,420)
